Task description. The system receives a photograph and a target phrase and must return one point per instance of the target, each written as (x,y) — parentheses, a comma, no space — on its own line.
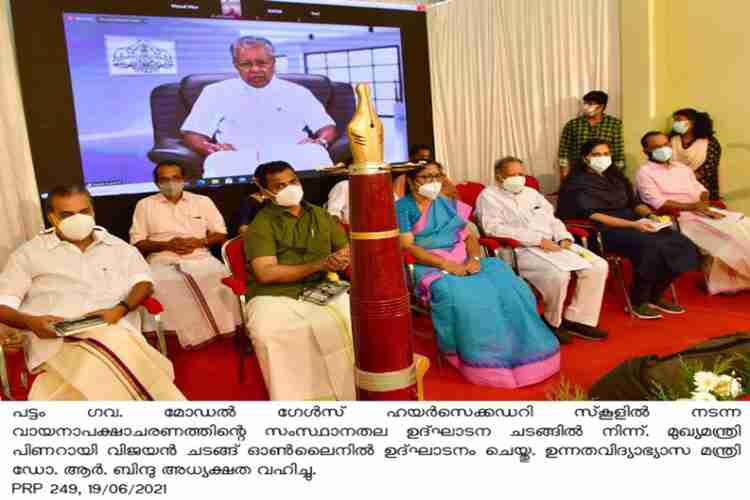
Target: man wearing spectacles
(241,122)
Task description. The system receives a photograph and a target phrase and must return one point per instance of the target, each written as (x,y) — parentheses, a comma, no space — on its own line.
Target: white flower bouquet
(722,383)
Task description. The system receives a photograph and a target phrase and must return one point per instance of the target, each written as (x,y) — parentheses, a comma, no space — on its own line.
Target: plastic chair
(418,305)
(233,254)
(612,257)
(152,305)
(155,308)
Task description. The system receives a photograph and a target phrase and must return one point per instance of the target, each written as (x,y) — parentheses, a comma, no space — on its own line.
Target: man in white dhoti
(511,210)
(77,269)
(256,118)
(174,230)
(304,349)
(724,237)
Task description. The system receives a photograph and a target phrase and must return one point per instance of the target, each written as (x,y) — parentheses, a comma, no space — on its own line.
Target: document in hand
(573,259)
(657,225)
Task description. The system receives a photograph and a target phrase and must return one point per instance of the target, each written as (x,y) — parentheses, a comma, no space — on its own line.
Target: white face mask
(680,127)
(600,163)
(662,154)
(171,189)
(431,190)
(590,109)
(77,227)
(290,196)
(514,184)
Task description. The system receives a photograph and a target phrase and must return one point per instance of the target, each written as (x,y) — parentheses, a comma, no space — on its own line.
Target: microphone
(215,136)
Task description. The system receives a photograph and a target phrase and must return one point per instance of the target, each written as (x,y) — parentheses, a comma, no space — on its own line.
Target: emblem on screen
(138,56)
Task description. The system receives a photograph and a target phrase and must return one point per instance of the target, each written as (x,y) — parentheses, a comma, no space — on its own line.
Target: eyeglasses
(425,179)
(262,64)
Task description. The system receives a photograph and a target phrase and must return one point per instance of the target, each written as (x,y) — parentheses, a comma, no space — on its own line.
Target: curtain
(507,75)
(20,213)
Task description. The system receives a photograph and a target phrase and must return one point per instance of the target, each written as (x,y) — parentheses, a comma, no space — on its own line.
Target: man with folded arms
(511,210)
(666,184)
(174,229)
(304,349)
(78,269)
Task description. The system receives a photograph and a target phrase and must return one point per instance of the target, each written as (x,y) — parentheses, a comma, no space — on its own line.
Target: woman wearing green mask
(695,145)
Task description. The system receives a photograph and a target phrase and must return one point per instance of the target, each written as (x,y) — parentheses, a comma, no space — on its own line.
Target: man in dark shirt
(304,349)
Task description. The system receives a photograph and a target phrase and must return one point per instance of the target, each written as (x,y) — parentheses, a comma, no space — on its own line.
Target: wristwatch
(477,258)
(323,142)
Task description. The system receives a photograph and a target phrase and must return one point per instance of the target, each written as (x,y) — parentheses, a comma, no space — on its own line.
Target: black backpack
(637,379)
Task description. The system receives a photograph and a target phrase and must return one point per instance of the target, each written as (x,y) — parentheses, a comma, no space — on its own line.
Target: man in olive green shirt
(304,350)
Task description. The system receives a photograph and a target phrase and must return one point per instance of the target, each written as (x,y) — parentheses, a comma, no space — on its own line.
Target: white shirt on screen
(254,118)
(47,275)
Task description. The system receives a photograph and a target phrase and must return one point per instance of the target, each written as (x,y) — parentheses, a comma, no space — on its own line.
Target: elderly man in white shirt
(511,210)
(242,122)
(174,229)
(78,269)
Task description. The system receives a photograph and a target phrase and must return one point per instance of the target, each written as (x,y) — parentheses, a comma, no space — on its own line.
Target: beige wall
(690,53)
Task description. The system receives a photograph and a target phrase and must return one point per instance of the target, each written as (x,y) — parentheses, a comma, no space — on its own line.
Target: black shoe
(667,306)
(645,311)
(562,335)
(584,331)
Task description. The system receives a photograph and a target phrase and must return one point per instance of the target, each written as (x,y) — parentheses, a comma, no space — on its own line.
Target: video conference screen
(148,89)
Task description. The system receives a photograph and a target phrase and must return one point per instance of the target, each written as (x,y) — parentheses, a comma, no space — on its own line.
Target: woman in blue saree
(484,316)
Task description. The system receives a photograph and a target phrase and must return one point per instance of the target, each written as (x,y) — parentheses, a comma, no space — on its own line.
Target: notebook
(324,292)
(78,325)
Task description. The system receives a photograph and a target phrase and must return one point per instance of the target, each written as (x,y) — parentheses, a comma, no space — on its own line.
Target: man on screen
(241,122)
(76,269)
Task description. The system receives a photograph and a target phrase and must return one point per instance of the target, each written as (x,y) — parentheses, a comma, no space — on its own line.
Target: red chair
(613,258)
(417,304)
(152,305)
(155,308)
(233,254)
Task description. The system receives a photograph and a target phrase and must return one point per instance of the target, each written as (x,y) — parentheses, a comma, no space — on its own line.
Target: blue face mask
(662,154)
(680,126)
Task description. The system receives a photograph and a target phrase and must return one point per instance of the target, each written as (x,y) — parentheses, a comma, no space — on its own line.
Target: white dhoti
(245,160)
(727,244)
(586,303)
(304,350)
(106,364)
(197,305)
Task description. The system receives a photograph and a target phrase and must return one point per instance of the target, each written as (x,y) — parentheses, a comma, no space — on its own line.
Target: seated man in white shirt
(512,210)
(243,122)
(77,269)
(174,230)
